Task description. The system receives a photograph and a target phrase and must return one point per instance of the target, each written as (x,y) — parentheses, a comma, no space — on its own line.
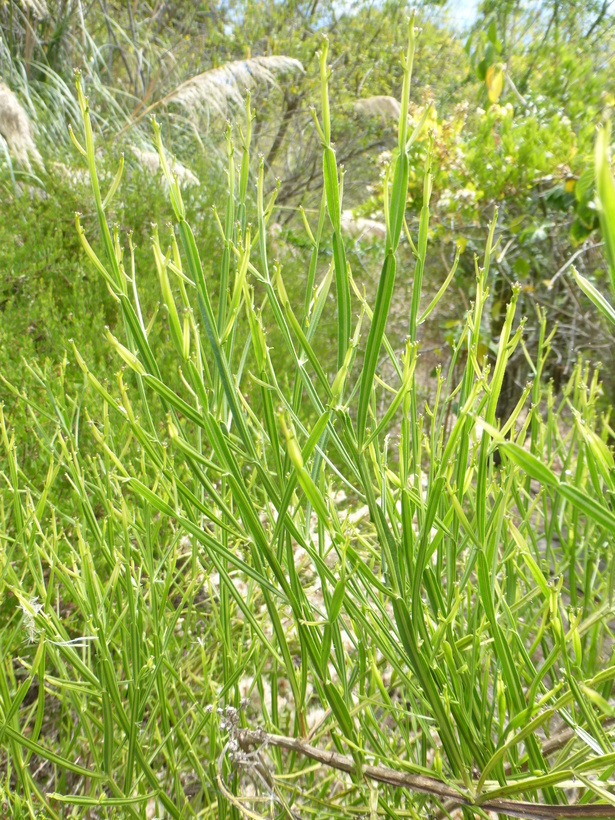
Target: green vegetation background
(550,68)
(462,617)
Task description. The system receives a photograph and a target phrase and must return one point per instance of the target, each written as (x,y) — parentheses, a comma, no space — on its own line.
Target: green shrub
(49,293)
(415,623)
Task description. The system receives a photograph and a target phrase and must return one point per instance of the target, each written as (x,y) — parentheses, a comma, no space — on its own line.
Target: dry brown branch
(425,784)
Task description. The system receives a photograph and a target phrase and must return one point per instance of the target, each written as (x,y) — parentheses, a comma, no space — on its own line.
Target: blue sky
(462,12)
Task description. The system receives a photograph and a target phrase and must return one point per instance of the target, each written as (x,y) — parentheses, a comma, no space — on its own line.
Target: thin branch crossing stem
(423,783)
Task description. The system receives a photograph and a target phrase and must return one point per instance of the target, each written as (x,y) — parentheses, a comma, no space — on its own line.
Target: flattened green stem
(374,341)
(405,92)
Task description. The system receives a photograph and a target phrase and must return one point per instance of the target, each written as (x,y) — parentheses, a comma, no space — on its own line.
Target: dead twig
(426,784)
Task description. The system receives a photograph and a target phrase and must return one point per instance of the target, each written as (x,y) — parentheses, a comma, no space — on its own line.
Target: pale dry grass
(217,88)
(16,129)
(38,8)
(150,161)
(379,105)
(362,227)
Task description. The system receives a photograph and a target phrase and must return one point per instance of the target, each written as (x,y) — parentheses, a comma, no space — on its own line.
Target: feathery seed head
(16,129)
(218,87)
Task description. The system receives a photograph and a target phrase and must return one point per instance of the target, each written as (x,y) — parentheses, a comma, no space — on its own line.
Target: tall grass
(293,592)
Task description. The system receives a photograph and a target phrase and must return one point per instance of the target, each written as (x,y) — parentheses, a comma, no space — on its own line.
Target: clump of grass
(414,626)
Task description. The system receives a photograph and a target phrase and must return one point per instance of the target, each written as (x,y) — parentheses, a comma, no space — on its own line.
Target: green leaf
(586,504)
(332,189)
(52,757)
(530,464)
(340,710)
(399,193)
(603,305)
(342,284)
(337,600)
(605,188)
(374,341)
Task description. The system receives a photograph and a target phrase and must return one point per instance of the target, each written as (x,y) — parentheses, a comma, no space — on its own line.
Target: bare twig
(571,260)
(514,89)
(426,784)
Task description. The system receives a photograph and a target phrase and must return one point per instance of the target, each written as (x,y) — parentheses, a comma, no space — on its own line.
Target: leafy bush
(300,587)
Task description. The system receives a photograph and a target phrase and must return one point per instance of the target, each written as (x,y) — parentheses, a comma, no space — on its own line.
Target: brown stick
(559,740)
(425,784)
